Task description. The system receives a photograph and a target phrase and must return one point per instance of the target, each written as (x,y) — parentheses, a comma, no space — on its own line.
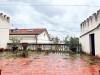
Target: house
(30,35)
(4,30)
(90,34)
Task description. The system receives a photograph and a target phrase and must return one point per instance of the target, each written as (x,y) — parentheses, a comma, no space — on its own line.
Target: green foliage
(24,53)
(73,42)
(56,40)
(15,40)
(66,40)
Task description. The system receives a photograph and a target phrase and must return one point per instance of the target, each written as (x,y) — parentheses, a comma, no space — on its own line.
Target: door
(92,44)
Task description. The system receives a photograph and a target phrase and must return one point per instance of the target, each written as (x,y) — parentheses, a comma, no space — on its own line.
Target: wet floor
(51,64)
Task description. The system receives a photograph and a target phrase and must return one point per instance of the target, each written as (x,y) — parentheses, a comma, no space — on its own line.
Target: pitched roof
(26,31)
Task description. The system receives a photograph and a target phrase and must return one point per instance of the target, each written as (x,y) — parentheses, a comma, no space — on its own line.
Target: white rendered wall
(31,38)
(43,38)
(87,25)
(86,42)
(24,38)
(4,32)
(97,42)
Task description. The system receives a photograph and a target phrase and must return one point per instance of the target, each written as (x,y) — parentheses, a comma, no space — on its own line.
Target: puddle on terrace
(51,64)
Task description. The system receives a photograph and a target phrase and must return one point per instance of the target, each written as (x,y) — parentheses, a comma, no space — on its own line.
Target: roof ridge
(28,28)
(26,31)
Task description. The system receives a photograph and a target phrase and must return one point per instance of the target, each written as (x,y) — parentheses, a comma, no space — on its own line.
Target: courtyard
(44,63)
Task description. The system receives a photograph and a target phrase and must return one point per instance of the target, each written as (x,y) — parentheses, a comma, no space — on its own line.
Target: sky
(59,17)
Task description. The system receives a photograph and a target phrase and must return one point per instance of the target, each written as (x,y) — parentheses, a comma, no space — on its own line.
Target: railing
(52,47)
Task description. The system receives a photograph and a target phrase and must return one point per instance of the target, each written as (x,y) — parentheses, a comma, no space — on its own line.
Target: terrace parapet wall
(4,17)
(90,23)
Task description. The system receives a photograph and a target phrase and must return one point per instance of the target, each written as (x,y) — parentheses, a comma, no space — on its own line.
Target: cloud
(60,17)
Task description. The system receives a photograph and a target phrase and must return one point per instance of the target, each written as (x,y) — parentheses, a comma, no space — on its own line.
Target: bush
(25,53)
(39,49)
(14,49)
(73,43)
(1,49)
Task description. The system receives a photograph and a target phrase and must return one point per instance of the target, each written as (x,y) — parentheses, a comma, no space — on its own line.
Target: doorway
(92,44)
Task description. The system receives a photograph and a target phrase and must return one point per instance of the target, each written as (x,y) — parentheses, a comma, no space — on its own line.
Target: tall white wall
(86,42)
(4,30)
(97,42)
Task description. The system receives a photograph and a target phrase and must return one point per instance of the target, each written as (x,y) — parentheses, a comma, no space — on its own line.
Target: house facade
(90,34)
(4,30)
(30,35)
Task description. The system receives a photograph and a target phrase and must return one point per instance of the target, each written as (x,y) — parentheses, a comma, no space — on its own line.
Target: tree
(56,40)
(66,40)
(15,41)
(73,42)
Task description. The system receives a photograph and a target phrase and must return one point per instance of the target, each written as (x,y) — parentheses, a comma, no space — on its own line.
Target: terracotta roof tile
(26,31)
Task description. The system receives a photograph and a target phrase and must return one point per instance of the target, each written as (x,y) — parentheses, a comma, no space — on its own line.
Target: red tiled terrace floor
(52,64)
